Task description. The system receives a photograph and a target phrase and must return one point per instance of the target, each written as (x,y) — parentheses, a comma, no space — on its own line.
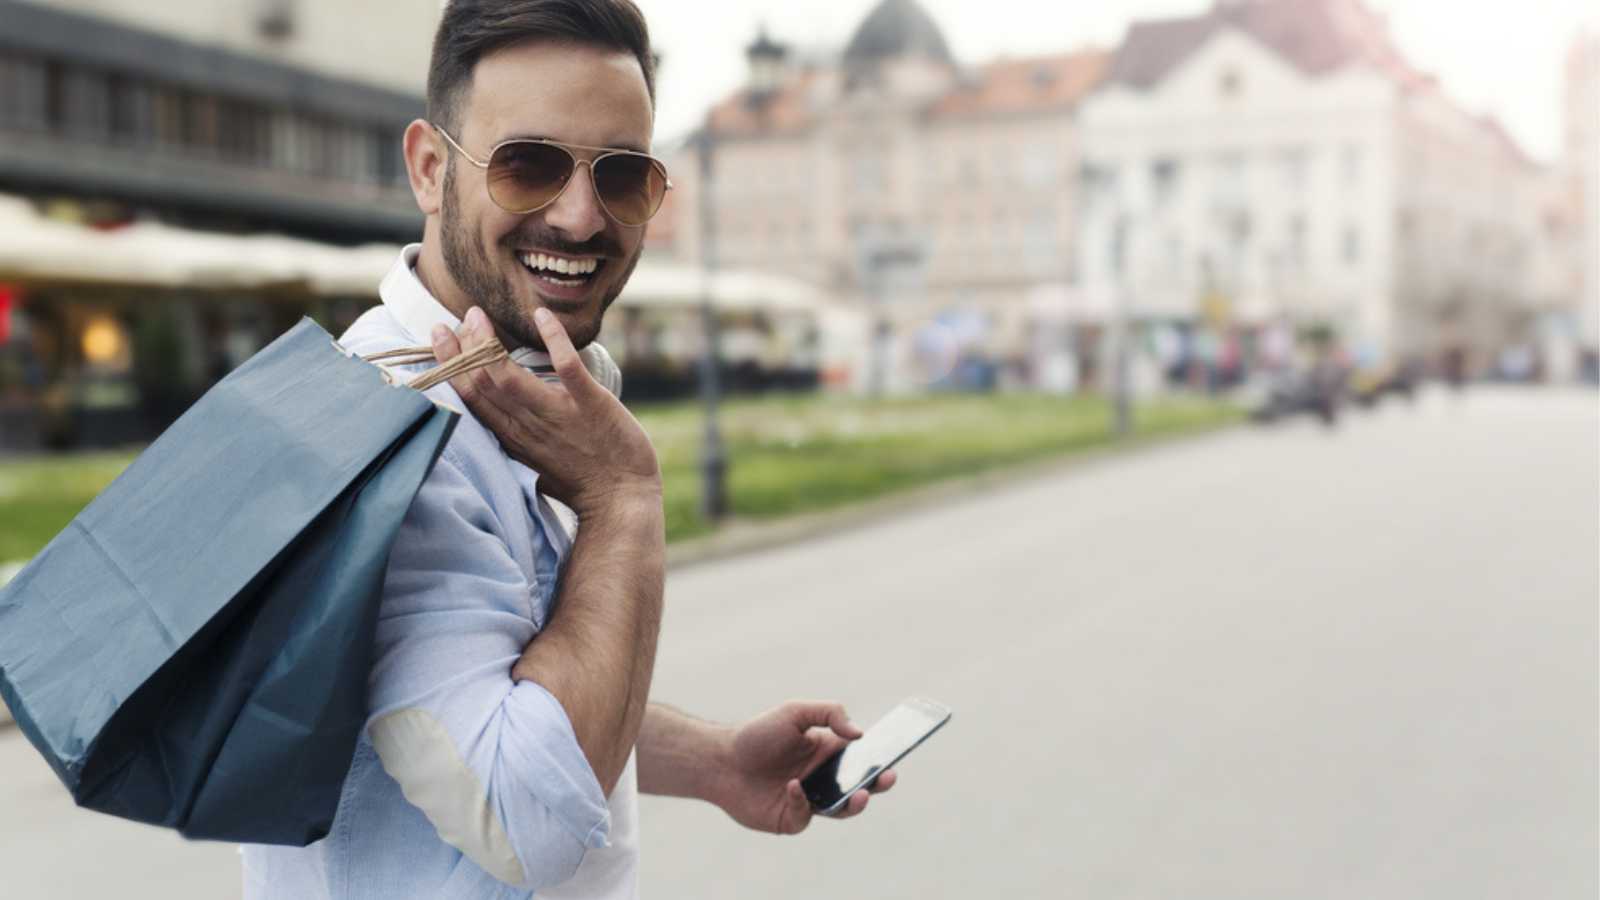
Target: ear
(426,156)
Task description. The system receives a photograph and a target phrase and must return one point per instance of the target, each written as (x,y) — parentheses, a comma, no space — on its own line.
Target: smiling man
(509,729)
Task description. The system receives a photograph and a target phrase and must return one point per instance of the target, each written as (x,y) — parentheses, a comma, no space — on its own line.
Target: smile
(562,271)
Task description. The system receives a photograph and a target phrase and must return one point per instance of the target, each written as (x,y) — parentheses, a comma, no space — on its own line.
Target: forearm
(597,652)
(681,756)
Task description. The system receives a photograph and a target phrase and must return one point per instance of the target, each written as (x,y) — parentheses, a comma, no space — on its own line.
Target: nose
(577,211)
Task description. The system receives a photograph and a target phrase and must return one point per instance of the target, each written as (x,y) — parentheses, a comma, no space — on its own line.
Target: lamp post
(713,460)
(1121,387)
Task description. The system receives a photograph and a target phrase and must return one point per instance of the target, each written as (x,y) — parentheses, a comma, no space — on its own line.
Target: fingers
(563,356)
(503,384)
(854,806)
(805,714)
(445,345)
(884,782)
(797,809)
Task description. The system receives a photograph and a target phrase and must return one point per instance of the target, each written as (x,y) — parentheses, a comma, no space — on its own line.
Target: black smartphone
(887,742)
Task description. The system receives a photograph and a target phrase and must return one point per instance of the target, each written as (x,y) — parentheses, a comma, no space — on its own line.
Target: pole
(713,461)
(1121,387)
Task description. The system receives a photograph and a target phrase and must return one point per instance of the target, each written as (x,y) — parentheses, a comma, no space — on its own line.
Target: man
(509,728)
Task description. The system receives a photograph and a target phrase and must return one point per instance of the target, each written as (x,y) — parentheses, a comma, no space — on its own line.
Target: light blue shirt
(465,783)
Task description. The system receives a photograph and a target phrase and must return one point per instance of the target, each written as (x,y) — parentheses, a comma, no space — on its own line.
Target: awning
(36,248)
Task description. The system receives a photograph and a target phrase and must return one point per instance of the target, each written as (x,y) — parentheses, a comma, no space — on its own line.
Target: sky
(1502,57)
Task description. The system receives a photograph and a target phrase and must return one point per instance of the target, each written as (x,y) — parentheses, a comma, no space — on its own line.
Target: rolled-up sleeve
(493,763)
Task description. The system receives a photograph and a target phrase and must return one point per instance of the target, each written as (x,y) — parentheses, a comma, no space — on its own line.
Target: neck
(435,277)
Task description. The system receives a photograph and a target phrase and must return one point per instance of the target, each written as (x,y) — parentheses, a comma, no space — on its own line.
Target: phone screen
(883,745)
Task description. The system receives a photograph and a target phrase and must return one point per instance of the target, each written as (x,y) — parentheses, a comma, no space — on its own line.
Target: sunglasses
(525,175)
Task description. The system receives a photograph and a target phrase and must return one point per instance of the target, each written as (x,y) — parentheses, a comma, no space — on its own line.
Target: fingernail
(439,334)
(541,316)
(474,318)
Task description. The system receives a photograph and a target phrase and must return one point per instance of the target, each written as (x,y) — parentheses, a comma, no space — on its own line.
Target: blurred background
(940,288)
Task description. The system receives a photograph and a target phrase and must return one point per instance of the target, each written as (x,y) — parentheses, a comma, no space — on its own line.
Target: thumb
(806,714)
(445,345)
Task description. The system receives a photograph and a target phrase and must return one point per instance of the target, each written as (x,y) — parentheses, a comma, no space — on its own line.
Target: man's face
(570,93)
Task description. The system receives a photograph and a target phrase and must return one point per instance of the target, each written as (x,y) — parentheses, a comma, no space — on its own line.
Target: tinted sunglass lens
(524,176)
(631,186)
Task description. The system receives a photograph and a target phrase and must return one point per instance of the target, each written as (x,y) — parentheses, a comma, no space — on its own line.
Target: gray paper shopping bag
(192,650)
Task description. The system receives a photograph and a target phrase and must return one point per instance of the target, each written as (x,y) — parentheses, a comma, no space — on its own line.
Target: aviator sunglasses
(525,175)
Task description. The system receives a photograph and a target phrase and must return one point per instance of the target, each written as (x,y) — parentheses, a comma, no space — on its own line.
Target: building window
(391,159)
(1163,181)
(85,109)
(23,92)
(132,111)
(1352,244)
(1230,84)
(168,107)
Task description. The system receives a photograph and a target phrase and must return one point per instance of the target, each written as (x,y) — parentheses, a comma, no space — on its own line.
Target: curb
(742,536)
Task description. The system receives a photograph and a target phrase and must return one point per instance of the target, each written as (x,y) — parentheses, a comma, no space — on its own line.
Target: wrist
(626,498)
(718,775)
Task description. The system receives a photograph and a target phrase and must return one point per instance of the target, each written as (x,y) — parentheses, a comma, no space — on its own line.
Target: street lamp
(1122,387)
(713,460)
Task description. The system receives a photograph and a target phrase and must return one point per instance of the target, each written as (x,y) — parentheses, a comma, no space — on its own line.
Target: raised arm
(597,652)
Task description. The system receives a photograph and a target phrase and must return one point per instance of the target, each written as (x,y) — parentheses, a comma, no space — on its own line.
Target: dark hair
(472,29)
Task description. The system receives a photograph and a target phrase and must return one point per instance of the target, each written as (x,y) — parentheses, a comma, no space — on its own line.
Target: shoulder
(374,331)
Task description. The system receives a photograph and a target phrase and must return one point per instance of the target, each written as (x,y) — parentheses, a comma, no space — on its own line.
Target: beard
(486,286)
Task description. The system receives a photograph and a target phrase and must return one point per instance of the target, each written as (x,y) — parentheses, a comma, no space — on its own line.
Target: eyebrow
(633,148)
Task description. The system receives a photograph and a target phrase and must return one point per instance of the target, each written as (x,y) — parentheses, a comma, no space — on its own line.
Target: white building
(1582,172)
(1279,161)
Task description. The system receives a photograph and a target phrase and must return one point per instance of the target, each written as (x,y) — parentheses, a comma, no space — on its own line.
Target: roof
(1025,85)
(1313,35)
(785,109)
(897,28)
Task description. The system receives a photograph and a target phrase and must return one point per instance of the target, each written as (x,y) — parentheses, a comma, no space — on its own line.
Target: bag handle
(476,358)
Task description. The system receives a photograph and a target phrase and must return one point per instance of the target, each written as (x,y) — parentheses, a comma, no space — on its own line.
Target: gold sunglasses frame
(602,153)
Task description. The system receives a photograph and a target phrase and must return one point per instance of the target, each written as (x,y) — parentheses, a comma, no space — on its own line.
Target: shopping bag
(193,649)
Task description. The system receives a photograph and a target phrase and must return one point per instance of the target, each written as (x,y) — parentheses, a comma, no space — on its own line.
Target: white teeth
(538,261)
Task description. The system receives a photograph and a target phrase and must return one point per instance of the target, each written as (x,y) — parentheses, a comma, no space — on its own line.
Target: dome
(897,28)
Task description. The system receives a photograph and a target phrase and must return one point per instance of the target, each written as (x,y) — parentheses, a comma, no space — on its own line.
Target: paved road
(1285,663)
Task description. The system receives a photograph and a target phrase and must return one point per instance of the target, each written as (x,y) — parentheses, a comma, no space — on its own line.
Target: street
(1270,663)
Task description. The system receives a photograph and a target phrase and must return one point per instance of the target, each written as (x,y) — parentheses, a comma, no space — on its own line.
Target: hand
(769,755)
(588,449)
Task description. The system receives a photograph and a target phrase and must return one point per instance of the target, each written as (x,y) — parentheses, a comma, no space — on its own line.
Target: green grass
(38,497)
(805,454)
(786,454)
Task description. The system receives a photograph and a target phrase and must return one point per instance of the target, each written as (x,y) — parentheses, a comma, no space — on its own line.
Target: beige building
(380,42)
(895,178)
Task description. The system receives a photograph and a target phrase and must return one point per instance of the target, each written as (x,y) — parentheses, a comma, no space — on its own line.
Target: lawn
(786,454)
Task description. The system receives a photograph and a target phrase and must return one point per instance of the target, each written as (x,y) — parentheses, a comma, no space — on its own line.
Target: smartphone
(861,761)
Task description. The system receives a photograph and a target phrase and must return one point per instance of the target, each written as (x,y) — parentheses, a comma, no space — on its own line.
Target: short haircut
(472,29)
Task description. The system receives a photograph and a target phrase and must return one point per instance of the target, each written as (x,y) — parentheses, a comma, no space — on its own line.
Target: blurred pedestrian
(509,729)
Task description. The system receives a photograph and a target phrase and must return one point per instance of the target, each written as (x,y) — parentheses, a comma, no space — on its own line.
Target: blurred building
(1581,166)
(156,137)
(939,197)
(1280,162)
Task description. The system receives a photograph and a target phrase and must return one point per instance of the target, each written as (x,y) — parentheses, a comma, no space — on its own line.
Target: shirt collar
(409,301)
